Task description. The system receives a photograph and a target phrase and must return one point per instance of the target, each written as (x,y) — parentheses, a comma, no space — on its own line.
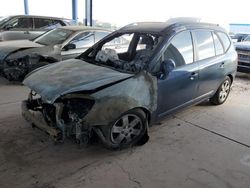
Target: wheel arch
(231,77)
(147,113)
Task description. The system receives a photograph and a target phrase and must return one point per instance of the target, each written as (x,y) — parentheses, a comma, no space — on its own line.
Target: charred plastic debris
(64,118)
(16,69)
(139,60)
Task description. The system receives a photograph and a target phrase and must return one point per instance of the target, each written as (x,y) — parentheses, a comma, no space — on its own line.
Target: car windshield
(53,37)
(3,20)
(247,38)
(129,52)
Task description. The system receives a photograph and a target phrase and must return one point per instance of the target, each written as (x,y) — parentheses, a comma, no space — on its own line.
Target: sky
(122,12)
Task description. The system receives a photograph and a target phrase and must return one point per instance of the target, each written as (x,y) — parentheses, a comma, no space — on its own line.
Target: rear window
(205,44)
(225,40)
(218,46)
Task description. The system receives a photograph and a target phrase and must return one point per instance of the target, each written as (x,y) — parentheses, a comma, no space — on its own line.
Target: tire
(222,93)
(127,130)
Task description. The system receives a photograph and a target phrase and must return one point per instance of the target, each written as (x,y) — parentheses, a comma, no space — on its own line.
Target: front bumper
(243,68)
(39,122)
(243,61)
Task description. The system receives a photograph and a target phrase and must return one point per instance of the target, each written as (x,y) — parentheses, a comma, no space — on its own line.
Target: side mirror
(69,46)
(167,66)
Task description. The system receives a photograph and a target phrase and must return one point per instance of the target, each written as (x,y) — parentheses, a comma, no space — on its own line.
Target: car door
(18,28)
(180,87)
(82,42)
(211,60)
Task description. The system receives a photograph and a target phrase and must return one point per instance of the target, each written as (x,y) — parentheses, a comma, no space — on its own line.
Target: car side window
(218,46)
(180,50)
(85,39)
(21,23)
(225,40)
(205,44)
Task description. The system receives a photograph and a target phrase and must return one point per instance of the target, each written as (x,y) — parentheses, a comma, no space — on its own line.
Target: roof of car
(81,28)
(164,27)
(37,16)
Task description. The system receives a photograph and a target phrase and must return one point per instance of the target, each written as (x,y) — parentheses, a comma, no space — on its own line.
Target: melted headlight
(76,109)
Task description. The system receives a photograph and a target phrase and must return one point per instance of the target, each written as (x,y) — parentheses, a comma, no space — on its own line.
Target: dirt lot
(202,146)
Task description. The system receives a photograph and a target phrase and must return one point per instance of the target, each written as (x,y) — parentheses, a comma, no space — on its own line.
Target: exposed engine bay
(63,118)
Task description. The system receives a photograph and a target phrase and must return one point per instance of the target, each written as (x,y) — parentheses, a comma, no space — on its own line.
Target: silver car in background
(19,57)
(27,26)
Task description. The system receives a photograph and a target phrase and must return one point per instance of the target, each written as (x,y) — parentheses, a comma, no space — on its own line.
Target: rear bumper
(39,122)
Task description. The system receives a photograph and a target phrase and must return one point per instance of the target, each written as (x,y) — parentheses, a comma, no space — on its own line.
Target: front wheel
(222,93)
(127,130)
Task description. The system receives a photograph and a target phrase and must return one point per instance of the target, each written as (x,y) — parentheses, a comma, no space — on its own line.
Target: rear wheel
(222,93)
(127,130)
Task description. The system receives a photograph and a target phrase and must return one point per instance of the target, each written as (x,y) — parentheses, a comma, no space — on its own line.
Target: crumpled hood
(243,45)
(69,76)
(7,47)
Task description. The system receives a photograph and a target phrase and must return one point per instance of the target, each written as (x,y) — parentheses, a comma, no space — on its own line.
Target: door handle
(193,75)
(222,65)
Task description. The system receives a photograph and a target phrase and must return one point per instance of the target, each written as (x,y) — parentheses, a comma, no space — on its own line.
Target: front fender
(111,102)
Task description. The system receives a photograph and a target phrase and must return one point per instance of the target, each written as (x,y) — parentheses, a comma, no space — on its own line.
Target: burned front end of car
(87,95)
(64,118)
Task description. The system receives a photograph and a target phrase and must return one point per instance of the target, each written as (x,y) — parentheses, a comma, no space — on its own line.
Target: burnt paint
(71,76)
(139,91)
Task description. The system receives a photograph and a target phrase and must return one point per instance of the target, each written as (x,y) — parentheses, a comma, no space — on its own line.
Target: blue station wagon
(115,92)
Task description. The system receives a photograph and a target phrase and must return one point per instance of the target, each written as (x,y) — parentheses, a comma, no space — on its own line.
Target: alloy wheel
(225,88)
(126,129)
